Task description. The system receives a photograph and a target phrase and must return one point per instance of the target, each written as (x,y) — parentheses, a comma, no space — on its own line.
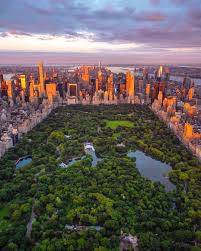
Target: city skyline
(115,32)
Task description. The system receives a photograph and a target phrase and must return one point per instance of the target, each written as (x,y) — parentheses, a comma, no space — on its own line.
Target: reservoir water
(153,169)
(23,162)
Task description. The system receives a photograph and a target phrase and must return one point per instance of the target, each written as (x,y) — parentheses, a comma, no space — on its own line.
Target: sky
(113,31)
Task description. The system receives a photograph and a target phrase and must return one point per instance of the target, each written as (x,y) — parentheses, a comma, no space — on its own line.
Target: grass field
(113,124)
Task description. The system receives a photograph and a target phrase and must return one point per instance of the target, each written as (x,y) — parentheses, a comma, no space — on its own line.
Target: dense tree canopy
(110,197)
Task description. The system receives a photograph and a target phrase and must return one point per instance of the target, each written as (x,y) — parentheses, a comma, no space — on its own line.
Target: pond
(152,169)
(95,158)
(23,162)
(91,152)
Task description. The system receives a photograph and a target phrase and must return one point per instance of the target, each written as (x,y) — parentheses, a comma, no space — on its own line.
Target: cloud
(151,16)
(19,33)
(173,23)
(3,34)
(154,2)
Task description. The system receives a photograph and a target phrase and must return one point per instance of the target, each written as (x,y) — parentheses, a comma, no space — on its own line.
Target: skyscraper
(41,79)
(85,74)
(31,89)
(22,79)
(1,78)
(167,74)
(10,90)
(51,90)
(160,72)
(130,84)
(110,86)
(99,65)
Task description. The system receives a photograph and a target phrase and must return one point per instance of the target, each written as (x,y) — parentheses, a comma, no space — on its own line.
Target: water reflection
(152,169)
(23,162)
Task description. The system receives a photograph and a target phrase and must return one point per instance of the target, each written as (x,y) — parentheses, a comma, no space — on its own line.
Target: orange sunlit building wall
(31,89)
(148,89)
(122,88)
(97,85)
(41,78)
(110,86)
(171,101)
(22,79)
(85,74)
(10,88)
(51,89)
(189,134)
(188,131)
(190,93)
(130,82)
(190,110)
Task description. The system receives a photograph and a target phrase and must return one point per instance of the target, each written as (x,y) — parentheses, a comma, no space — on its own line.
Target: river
(117,70)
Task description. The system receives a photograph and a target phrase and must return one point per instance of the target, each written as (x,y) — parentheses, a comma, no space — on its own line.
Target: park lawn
(113,124)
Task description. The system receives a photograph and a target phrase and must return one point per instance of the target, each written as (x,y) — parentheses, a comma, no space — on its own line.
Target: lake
(23,162)
(152,169)
(95,159)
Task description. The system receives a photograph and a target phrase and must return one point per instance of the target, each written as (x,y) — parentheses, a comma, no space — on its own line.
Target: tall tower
(167,73)
(127,81)
(22,79)
(41,79)
(147,90)
(190,93)
(110,86)
(97,85)
(160,72)
(99,65)
(51,91)
(10,90)
(130,84)
(31,89)
(85,74)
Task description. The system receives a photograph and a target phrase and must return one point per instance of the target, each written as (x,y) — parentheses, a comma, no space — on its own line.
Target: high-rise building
(41,79)
(100,78)
(97,85)
(190,93)
(145,74)
(159,73)
(160,97)
(85,74)
(1,78)
(23,82)
(188,131)
(31,88)
(99,65)
(167,74)
(10,90)
(148,89)
(140,85)
(51,90)
(110,86)
(72,90)
(130,84)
